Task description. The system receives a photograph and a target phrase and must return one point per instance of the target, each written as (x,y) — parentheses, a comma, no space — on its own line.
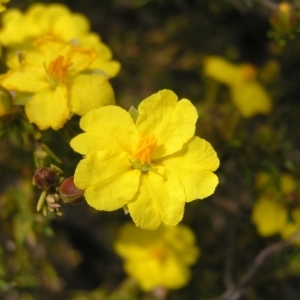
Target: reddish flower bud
(45,178)
(69,193)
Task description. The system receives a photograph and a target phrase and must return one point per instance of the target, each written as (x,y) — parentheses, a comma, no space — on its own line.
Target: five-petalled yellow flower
(160,258)
(56,82)
(151,166)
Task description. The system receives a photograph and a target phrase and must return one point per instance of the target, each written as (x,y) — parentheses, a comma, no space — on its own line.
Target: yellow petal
(108,180)
(109,127)
(137,244)
(69,25)
(93,40)
(36,16)
(27,79)
(222,70)
(104,60)
(289,229)
(288,184)
(269,216)
(11,32)
(149,279)
(183,243)
(159,199)
(171,122)
(193,165)
(15,59)
(174,273)
(152,273)
(251,99)
(57,20)
(49,108)
(79,57)
(110,68)
(88,92)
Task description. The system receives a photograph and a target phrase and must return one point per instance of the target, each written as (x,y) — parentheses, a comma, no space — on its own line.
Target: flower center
(141,157)
(58,68)
(249,71)
(158,253)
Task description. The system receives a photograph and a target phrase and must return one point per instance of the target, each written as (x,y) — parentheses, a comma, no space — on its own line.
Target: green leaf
(133,113)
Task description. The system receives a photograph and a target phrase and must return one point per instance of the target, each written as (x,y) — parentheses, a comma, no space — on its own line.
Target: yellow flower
(2,6)
(19,30)
(277,211)
(247,93)
(60,83)
(159,258)
(151,166)
(269,216)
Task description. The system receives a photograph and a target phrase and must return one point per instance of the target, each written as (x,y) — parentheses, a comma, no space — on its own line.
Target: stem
(238,291)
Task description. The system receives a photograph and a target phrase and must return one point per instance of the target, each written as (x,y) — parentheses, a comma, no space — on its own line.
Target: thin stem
(229,254)
(239,290)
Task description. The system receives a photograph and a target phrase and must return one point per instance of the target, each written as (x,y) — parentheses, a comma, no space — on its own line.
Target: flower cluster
(247,94)
(148,162)
(277,210)
(157,259)
(55,81)
(19,31)
(56,64)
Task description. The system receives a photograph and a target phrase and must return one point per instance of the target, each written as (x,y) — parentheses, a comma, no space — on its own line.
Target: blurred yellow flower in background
(277,210)
(151,166)
(159,258)
(247,94)
(19,30)
(2,5)
(56,81)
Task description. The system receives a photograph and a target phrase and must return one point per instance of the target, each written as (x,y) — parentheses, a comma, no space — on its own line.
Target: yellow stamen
(159,253)
(58,68)
(249,71)
(144,149)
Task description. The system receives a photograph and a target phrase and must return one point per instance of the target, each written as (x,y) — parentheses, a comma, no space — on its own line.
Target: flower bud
(69,193)
(284,18)
(45,178)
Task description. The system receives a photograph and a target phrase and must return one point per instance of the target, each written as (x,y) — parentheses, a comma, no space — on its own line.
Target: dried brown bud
(45,178)
(69,193)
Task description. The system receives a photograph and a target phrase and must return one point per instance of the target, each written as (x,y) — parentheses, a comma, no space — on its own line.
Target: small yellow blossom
(247,93)
(2,5)
(19,31)
(59,79)
(159,258)
(151,166)
(277,210)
